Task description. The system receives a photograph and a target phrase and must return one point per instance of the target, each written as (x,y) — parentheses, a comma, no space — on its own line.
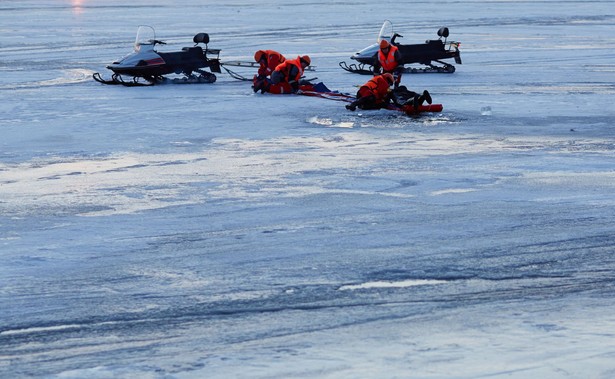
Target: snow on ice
(190,231)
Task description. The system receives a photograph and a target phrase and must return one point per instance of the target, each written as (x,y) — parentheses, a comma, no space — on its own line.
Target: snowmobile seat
(443,32)
(411,53)
(196,51)
(201,38)
(422,53)
(435,44)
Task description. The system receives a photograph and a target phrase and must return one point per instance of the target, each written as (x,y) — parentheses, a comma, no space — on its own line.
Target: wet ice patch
(391,284)
(62,77)
(452,191)
(110,372)
(258,169)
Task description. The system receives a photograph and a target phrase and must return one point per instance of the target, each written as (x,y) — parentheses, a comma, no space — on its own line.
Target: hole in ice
(328,122)
(320,121)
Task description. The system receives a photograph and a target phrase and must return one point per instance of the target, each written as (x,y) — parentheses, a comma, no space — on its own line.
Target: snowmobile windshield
(146,35)
(367,53)
(386,32)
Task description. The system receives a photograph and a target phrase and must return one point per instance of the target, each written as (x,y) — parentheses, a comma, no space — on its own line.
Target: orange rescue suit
(377,87)
(291,69)
(388,62)
(273,59)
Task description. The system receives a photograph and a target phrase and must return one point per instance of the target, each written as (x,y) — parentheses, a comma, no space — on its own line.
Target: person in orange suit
(268,60)
(286,77)
(374,94)
(388,61)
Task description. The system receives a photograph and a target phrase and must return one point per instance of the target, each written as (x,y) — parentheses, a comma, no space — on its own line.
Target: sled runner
(147,66)
(424,53)
(238,76)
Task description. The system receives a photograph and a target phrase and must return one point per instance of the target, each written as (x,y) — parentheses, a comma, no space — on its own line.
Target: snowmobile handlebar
(395,36)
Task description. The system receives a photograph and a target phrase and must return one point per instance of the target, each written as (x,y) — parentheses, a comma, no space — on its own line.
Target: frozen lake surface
(207,231)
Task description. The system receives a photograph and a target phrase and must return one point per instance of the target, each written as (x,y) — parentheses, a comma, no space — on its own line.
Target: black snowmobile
(146,66)
(423,53)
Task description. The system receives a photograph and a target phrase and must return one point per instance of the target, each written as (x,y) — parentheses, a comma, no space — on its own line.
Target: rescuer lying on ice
(377,94)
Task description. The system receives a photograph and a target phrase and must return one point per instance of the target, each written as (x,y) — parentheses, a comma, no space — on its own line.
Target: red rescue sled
(409,109)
